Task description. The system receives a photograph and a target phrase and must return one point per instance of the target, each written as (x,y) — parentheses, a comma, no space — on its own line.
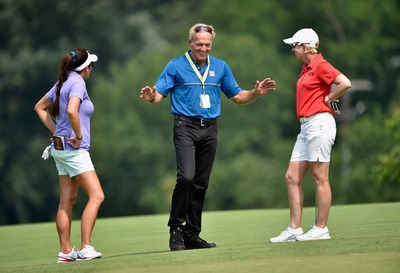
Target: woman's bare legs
(294,176)
(68,196)
(320,174)
(90,184)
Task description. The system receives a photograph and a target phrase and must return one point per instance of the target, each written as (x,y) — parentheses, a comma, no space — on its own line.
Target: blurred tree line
(132,141)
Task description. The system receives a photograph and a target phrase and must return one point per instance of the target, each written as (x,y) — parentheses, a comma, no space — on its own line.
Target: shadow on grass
(138,253)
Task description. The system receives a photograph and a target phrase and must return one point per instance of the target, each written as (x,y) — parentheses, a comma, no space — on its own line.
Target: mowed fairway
(365,238)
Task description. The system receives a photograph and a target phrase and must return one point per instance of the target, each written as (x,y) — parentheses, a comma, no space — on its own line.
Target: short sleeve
(78,89)
(166,81)
(51,94)
(327,73)
(228,84)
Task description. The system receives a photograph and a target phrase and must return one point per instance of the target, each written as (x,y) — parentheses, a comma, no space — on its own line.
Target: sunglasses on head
(203,28)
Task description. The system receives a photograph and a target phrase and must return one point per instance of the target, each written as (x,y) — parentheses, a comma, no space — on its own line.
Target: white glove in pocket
(46,153)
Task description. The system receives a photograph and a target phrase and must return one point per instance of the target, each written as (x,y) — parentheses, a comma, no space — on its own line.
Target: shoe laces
(286,231)
(177,235)
(290,232)
(87,249)
(315,230)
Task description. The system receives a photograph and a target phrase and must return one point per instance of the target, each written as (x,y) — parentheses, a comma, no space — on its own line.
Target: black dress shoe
(176,240)
(198,243)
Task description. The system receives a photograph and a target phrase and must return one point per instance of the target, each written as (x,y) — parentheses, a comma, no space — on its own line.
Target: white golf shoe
(315,233)
(288,235)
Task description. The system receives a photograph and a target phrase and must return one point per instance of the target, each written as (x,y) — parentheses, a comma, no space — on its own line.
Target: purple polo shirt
(74,86)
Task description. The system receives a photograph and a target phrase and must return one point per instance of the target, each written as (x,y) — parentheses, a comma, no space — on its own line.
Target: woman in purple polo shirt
(65,110)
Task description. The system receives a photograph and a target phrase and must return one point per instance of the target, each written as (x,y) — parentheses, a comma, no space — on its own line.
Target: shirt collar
(194,61)
(315,61)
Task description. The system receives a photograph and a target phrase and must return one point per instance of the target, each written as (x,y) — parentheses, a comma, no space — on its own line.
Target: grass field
(365,238)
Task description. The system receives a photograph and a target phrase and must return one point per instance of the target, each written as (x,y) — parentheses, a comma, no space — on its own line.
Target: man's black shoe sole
(200,247)
(180,248)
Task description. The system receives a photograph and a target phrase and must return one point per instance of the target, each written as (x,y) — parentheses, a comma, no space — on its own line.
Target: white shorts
(315,140)
(72,162)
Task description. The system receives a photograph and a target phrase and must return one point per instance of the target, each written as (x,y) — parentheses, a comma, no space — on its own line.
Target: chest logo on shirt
(212,74)
(311,74)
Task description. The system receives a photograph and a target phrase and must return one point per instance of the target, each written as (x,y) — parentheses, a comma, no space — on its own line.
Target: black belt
(197,121)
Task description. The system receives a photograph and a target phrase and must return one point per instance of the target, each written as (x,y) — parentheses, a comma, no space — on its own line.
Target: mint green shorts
(72,162)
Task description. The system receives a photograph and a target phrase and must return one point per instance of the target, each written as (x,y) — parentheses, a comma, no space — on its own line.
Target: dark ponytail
(70,61)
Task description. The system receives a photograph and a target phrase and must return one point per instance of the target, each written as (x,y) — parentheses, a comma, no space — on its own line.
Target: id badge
(205,101)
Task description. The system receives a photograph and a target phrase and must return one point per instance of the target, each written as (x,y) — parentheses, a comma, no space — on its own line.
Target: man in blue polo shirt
(195,81)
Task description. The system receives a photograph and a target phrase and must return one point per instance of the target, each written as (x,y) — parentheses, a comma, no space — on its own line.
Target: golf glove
(46,153)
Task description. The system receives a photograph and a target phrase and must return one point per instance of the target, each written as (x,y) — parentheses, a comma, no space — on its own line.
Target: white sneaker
(65,258)
(288,235)
(88,253)
(316,233)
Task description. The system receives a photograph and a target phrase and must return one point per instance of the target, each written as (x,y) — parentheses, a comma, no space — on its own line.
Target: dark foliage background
(132,141)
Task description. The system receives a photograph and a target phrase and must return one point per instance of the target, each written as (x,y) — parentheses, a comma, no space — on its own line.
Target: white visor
(91,59)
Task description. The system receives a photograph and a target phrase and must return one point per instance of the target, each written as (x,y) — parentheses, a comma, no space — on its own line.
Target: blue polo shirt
(180,81)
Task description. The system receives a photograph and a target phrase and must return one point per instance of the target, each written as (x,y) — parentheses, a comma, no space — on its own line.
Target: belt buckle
(303,120)
(203,122)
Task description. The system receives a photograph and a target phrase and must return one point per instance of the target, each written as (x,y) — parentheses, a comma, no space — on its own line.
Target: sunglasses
(296,44)
(203,28)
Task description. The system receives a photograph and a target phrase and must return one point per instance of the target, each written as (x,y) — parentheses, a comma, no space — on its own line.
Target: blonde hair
(201,27)
(311,50)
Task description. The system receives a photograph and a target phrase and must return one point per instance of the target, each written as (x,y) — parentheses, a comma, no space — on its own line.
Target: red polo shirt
(315,82)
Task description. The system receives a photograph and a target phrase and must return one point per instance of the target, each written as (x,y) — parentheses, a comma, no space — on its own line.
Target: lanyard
(201,78)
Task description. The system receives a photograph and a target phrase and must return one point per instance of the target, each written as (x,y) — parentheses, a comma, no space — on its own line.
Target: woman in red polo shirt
(314,97)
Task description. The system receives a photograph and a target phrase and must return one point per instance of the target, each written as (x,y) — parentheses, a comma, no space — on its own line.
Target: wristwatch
(327,100)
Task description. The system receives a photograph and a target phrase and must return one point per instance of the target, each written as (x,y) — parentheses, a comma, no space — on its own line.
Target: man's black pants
(195,147)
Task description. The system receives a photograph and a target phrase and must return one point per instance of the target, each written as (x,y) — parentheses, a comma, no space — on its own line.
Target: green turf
(365,238)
